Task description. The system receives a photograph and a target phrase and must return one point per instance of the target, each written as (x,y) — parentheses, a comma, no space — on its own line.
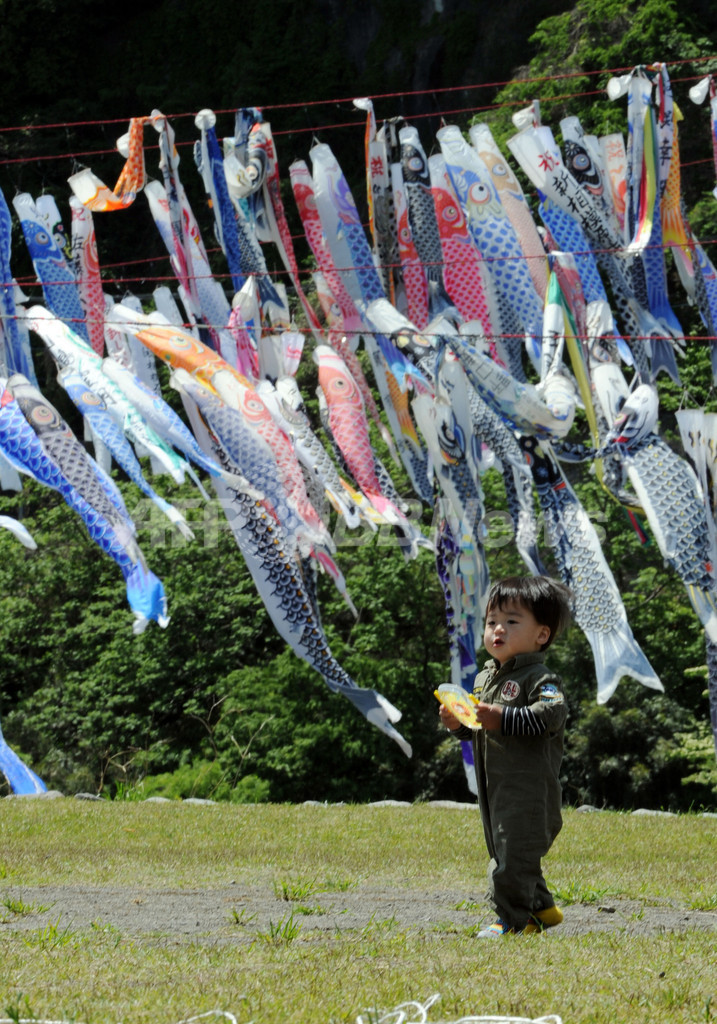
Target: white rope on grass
(417,1013)
(406,1013)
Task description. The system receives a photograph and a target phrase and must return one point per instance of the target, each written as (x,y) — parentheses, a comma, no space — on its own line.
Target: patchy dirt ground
(237,913)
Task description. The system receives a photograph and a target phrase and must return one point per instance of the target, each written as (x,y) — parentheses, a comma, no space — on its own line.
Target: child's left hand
(489,715)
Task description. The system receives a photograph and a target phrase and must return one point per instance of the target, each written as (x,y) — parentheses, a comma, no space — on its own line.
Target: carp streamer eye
(479,193)
(180,341)
(338,384)
(43,416)
(254,407)
(580,162)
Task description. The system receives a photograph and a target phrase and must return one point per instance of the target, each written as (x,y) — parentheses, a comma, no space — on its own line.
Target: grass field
(294,971)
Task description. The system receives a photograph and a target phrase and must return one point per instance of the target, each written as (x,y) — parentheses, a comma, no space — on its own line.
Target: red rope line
(126,280)
(376,96)
(26,282)
(268,329)
(315,130)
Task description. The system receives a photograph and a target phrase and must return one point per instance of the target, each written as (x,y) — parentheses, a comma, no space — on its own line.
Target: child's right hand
(448,718)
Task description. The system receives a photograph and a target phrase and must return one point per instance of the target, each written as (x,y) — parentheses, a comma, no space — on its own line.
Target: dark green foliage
(578,50)
(633,754)
(202,780)
(76,679)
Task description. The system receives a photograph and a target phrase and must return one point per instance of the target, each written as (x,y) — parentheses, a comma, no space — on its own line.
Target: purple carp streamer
(483,327)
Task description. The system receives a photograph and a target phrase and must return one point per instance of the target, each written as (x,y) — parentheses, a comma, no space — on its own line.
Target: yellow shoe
(543,919)
(550,916)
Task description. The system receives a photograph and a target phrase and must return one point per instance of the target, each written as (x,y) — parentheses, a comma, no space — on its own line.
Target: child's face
(513,630)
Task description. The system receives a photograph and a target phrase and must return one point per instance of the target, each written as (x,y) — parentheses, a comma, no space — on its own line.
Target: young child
(519,748)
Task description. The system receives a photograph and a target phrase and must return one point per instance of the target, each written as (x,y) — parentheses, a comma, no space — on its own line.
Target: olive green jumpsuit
(517,771)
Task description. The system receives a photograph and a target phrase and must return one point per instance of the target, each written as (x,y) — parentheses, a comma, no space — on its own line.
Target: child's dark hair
(549,601)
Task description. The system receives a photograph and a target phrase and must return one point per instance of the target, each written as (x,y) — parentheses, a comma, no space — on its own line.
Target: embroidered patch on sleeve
(550,694)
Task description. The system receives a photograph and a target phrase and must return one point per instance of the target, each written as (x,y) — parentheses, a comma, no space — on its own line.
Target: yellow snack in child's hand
(460,703)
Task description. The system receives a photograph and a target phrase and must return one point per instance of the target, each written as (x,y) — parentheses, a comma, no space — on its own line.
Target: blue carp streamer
(485,335)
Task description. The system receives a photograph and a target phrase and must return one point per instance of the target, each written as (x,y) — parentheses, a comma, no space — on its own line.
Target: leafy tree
(577,50)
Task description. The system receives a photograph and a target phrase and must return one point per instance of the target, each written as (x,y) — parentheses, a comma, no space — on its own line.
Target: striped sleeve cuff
(462,733)
(521,722)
